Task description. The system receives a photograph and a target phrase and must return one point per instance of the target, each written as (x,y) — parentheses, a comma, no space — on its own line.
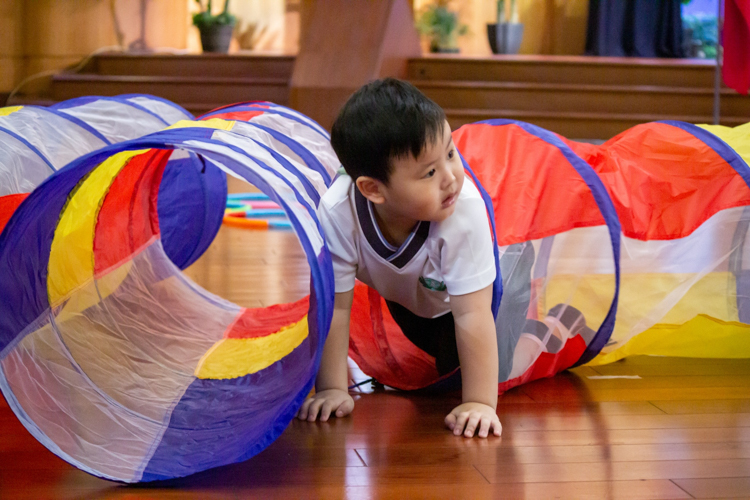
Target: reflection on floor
(681,430)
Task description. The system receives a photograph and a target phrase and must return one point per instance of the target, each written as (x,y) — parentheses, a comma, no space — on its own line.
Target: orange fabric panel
(664,182)
(535,191)
(128,217)
(240,116)
(253,323)
(8,206)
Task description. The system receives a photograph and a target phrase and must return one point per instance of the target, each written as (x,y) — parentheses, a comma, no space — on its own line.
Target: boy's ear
(372,189)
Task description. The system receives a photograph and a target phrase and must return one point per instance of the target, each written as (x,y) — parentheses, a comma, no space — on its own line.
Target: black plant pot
(505,38)
(216,37)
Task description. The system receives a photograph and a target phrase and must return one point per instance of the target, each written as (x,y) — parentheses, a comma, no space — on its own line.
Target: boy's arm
(332,384)
(477,351)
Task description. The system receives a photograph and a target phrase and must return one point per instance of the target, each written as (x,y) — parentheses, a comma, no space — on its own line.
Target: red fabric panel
(128,218)
(381,350)
(548,365)
(8,206)
(664,182)
(257,104)
(535,191)
(253,323)
(736,65)
(240,116)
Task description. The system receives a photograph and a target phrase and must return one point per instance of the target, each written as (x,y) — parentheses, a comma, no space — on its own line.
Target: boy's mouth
(450,200)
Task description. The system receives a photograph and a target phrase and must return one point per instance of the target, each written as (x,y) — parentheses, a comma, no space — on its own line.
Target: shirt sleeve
(467,258)
(341,244)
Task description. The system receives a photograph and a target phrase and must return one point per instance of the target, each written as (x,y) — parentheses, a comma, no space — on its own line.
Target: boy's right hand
(325,403)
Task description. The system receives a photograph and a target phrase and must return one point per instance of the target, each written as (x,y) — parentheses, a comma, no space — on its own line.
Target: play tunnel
(114,360)
(122,366)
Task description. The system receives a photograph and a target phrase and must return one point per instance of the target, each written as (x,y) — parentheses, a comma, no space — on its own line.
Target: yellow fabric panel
(71,261)
(212,123)
(712,295)
(88,296)
(738,137)
(232,358)
(8,110)
(591,294)
(701,337)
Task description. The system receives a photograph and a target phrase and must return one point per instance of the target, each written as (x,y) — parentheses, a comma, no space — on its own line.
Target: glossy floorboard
(680,431)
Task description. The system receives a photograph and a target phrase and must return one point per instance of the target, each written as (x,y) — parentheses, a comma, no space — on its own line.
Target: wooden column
(345,44)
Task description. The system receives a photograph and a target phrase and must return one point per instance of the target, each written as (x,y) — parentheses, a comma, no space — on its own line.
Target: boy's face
(427,187)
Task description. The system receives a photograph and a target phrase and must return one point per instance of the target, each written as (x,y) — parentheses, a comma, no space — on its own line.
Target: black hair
(384,119)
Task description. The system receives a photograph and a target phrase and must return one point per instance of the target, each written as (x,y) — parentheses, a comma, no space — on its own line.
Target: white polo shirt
(438,259)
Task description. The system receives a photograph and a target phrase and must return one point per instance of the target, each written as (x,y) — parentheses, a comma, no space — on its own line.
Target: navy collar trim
(399,257)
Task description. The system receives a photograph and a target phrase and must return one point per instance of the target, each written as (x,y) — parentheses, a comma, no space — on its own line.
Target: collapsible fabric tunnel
(38,141)
(636,246)
(123,367)
(118,363)
(681,194)
(544,199)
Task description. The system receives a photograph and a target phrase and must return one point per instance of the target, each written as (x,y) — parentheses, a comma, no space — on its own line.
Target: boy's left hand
(468,417)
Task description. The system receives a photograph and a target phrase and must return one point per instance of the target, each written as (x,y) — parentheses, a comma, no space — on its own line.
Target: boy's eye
(451,154)
(430,173)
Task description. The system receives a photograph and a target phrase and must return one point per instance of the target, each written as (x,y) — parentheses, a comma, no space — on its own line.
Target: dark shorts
(435,336)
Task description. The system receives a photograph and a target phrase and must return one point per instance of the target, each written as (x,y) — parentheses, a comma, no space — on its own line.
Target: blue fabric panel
(218,422)
(607,209)
(28,145)
(191,207)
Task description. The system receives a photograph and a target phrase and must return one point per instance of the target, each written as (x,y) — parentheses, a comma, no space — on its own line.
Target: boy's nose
(449,178)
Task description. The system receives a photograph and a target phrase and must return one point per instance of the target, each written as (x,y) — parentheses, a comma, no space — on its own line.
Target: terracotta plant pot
(216,37)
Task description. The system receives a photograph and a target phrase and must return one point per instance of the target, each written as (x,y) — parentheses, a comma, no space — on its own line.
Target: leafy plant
(441,26)
(501,18)
(701,34)
(205,18)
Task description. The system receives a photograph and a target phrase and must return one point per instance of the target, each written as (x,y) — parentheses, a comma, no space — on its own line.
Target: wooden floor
(676,428)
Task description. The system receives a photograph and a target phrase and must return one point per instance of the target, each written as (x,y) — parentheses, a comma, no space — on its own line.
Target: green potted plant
(216,30)
(440,25)
(505,36)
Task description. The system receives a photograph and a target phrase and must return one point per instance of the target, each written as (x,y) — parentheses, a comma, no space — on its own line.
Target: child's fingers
(325,410)
(484,427)
(497,426)
(302,414)
(450,421)
(460,423)
(345,408)
(314,409)
(471,425)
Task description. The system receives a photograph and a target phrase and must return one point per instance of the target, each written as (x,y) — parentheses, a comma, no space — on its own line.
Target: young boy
(406,221)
